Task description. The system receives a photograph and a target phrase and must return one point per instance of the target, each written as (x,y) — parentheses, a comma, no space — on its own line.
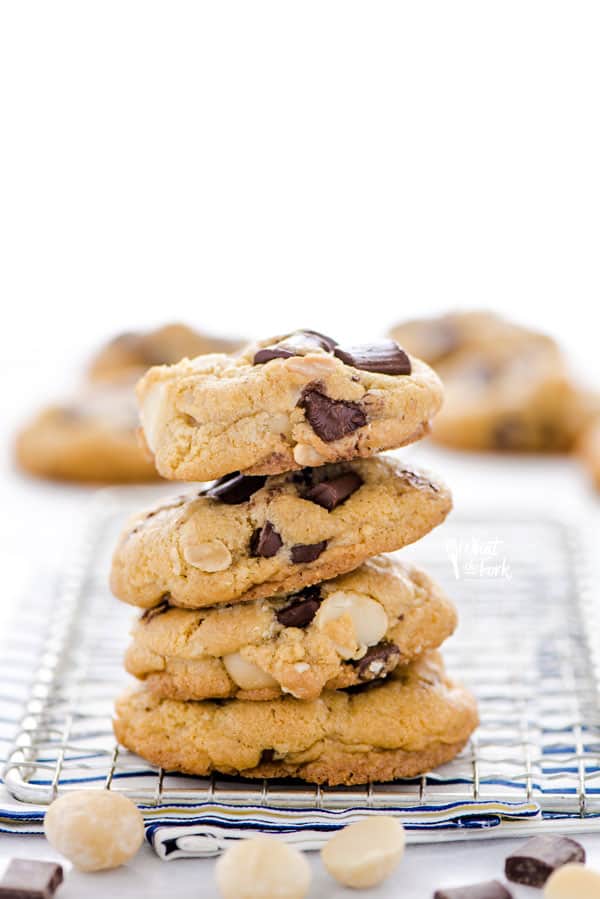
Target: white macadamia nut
(210,556)
(366,852)
(246,674)
(153,413)
(573,881)
(369,619)
(94,829)
(262,868)
(307,455)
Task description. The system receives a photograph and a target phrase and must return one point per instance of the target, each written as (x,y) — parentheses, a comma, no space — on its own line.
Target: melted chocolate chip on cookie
(378,661)
(302,609)
(236,488)
(160,609)
(293,345)
(331,494)
(330,419)
(307,552)
(384,357)
(265,541)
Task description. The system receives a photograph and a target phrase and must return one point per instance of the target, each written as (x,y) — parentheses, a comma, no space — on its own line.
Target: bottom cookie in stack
(402,726)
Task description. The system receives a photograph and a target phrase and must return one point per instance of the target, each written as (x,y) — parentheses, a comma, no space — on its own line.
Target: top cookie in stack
(261,589)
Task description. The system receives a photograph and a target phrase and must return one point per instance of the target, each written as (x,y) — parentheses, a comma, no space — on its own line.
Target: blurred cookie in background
(135,351)
(588,451)
(92,438)
(507,388)
(89,439)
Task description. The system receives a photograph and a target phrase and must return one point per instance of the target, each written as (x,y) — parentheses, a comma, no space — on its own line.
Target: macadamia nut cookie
(404,726)
(249,537)
(284,404)
(350,630)
(132,353)
(507,388)
(90,439)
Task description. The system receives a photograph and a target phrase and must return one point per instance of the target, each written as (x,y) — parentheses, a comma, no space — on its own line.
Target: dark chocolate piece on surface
(236,488)
(330,494)
(384,357)
(489,889)
(271,352)
(534,861)
(155,611)
(302,608)
(265,541)
(320,340)
(307,552)
(378,660)
(330,419)
(26,878)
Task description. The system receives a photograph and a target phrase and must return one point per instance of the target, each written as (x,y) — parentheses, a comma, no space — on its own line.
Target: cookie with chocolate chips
(508,388)
(91,438)
(350,630)
(302,399)
(251,537)
(404,726)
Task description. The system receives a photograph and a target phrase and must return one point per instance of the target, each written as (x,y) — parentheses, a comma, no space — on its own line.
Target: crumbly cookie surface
(350,630)
(283,404)
(415,720)
(254,537)
(132,353)
(507,388)
(91,439)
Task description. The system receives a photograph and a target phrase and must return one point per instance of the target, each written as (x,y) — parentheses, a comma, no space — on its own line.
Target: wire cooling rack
(528,645)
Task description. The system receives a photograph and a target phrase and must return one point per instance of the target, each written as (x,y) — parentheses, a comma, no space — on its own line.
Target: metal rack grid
(528,644)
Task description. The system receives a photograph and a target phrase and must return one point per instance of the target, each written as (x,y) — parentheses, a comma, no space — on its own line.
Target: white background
(254,166)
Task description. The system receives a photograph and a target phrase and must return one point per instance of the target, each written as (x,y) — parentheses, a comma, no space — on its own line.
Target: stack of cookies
(274,640)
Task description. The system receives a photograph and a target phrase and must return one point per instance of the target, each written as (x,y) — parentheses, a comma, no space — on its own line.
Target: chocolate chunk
(30,879)
(378,660)
(302,609)
(307,552)
(330,494)
(490,889)
(266,756)
(385,357)
(149,614)
(271,352)
(535,861)
(265,541)
(236,488)
(294,345)
(330,419)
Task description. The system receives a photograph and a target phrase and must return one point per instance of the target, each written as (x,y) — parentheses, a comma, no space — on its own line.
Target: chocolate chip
(378,660)
(330,494)
(365,686)
(293,345)
(302,609)
(307,552)
(385,357)
(236,488)
(266,756)
(330,419)
(265,541)
(160,609)
(28,878)
(271,352)
(535,861)
(490,889)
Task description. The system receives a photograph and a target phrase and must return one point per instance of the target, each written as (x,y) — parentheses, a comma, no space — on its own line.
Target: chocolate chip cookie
(132,353)
(404,726)
(507,388)
(283,404)
(90,439)
(249,537)
(350,630)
